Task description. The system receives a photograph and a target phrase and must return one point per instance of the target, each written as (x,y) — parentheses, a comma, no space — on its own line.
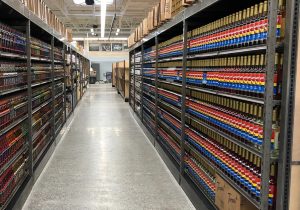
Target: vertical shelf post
(72,80)
(142,83)
(287,105)
(133,81)
(268,107)
(183,99)
(29,93)
(53,87)
(65,84)
(156,89)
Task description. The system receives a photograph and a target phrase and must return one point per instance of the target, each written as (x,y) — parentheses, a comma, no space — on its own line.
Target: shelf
(220,93)
(41,83)
(42,151)
(59,95)
(14,124)
(146,108)
(15,190)
(170,82)
(170,106)
(58,78)
(41,106)
(6,92)
(224,176)
(12,55)
(202,189)
(161,60)
(40,131)
(250,148)
(13,159)
(242,50)
(33,58)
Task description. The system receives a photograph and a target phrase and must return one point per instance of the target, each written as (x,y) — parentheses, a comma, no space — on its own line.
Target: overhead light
(100,39)
(96,2)
(92,30)
(103,17)
(118,30)
(117,34)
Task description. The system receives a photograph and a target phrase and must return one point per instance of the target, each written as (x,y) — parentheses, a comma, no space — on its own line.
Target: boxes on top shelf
(160,13)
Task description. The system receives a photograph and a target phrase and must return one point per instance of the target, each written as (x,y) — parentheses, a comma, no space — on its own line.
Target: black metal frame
(268,101)
(34,169)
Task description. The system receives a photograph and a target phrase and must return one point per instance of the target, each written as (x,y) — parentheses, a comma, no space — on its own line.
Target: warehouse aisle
(105,162)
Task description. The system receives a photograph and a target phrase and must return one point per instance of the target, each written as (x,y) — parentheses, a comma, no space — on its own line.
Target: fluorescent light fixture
(100,39)
(97,2)
(118,30)
(103,17)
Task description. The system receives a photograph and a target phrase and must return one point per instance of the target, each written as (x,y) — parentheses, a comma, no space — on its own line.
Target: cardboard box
(220,192)
(156,11)
(145,27)
(168,9)
(150,21)
(162,10)
(227,198)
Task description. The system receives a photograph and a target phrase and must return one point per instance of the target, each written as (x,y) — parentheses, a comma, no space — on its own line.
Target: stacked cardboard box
(40,9)
(159,14)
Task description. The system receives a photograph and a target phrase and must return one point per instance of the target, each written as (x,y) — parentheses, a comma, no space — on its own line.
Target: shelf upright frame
(268,105)
(72,80)
(134,103)
(183,99)
(81,80)
(53,87)
(142,84)
(156,89)
(65,84)
(130,76)
(287,105)
(75,90)
(29,92)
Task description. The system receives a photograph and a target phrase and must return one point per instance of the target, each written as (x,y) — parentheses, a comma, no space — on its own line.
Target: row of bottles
(171,145)
(238,164)
(169,97)
(200,171)
(246,63)
(250,110)
(234,124)
(243,28)
(11,40)
(170,120)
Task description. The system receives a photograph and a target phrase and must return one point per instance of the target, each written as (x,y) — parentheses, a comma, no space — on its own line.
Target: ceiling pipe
(113,21)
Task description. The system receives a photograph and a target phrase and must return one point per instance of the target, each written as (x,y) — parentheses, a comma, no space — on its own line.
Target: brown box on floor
(220,192)
(227,198)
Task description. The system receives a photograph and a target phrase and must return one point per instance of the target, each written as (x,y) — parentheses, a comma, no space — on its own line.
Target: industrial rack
(33,99)
(216,104)
(121,78)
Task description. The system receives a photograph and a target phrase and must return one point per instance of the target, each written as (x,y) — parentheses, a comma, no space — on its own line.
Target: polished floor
(104,161)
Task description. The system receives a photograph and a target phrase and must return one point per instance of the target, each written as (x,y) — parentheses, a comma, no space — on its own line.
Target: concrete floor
(104,161)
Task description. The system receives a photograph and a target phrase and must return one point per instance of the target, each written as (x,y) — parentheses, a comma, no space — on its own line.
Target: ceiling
(81,18)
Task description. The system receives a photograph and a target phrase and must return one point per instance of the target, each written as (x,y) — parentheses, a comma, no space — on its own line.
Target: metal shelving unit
(185,21)
(43,99)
